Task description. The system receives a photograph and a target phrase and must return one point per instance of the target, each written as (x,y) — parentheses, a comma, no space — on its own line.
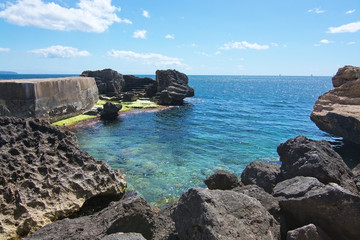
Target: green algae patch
(72,120)
(138,104)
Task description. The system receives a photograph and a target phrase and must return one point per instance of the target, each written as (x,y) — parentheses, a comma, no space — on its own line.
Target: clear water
(231,121)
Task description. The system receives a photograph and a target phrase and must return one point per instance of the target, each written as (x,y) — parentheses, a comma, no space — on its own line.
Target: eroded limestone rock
(44,176)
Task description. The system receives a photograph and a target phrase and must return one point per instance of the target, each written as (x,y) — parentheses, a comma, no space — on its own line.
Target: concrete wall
(53,98)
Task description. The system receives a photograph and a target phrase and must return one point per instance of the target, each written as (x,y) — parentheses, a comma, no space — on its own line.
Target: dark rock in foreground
(301,156)
(337,111)
(110,111)
(308,232)
(265,175)
(44,176)
(132,215)
(223,214)
(222,180)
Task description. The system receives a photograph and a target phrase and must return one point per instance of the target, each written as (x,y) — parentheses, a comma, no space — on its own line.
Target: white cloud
(325,41)
(316,10)
(193,45)
(146,14)
(147,58)
(89,16)
(350,27)
(170,36)
(274,44)
(202,53)
(140,34)
(4,49)
(243,45)
(350,11)
(351,43)
(59,51)
(217,52)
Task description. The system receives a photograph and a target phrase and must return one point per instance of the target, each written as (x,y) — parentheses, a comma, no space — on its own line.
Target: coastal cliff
(52,99)
(338,111)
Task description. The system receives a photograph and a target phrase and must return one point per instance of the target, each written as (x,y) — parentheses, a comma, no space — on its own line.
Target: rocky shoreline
(50,189)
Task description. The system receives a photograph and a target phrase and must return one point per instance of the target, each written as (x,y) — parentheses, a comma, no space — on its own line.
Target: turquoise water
(231,121)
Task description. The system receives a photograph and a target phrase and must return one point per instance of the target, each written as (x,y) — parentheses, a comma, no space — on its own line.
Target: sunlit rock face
(52,99)
(338,111)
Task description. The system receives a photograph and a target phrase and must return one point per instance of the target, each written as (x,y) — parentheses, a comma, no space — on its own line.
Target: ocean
(231,121)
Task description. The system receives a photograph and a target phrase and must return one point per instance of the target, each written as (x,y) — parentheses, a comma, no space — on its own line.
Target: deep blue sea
(231,121)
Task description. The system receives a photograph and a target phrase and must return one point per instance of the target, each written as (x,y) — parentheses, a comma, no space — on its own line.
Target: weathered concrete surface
(51,99)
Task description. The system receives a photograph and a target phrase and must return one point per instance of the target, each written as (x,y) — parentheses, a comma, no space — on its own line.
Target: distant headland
(8,72)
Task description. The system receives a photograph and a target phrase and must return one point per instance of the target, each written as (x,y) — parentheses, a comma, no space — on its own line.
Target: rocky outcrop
(44,177)
(337,111)
(308,232)
(132,215)
(301,156)
(108,81)
(223,214)
(222,180)
(110,111)
(172,87)
(52,99)
(265,175)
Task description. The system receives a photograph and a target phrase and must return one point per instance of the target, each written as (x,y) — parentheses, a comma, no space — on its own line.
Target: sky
(212,37)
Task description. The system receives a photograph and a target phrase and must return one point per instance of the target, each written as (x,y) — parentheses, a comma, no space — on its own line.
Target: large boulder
(110,111)
(301,156)
(356,172)
(223,214)
(108,81)
(222,180)
(308,232)
(265,175)
(333,208)
(337,111)
(131,215)
(172,87)
(44,176)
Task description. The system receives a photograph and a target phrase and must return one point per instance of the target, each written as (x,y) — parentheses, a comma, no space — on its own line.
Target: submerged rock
(337,111)
(44,176)
(223,214)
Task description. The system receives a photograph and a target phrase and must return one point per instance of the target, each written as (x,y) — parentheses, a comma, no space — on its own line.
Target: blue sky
(238,37)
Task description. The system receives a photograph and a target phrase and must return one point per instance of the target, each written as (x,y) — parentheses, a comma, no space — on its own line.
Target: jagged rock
(301,156)
(337,111)
(129,97)
(44,176)
(223,214)
(222,180)
(333,208)
(345,74)
(308,232)
(265,175)
(136,83)
(296,187)
(164,225)
(110,111)
(132,215)
(123,236)
(172,87)
(270,203)
(356,172)
(108,81)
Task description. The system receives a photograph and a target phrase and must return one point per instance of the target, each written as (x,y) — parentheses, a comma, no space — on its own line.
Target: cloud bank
(4,49)
(243,45)
(350,27)
(59,51)
(90,16)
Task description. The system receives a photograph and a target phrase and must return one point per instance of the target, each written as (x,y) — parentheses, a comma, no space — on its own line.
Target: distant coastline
(8,73)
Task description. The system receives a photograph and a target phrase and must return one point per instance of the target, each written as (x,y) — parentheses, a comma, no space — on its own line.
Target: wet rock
(108,81)
(301,156)
(265,175)
(333,208)
(223,214)
(131,215)
(308,232)
(44,176)
(110,111)
(222,180)
(172,87)
(337,111)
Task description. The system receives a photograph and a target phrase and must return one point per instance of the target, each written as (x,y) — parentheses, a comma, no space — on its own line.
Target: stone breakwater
(312,195)
(44,176)
(338,111)
(51,99)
